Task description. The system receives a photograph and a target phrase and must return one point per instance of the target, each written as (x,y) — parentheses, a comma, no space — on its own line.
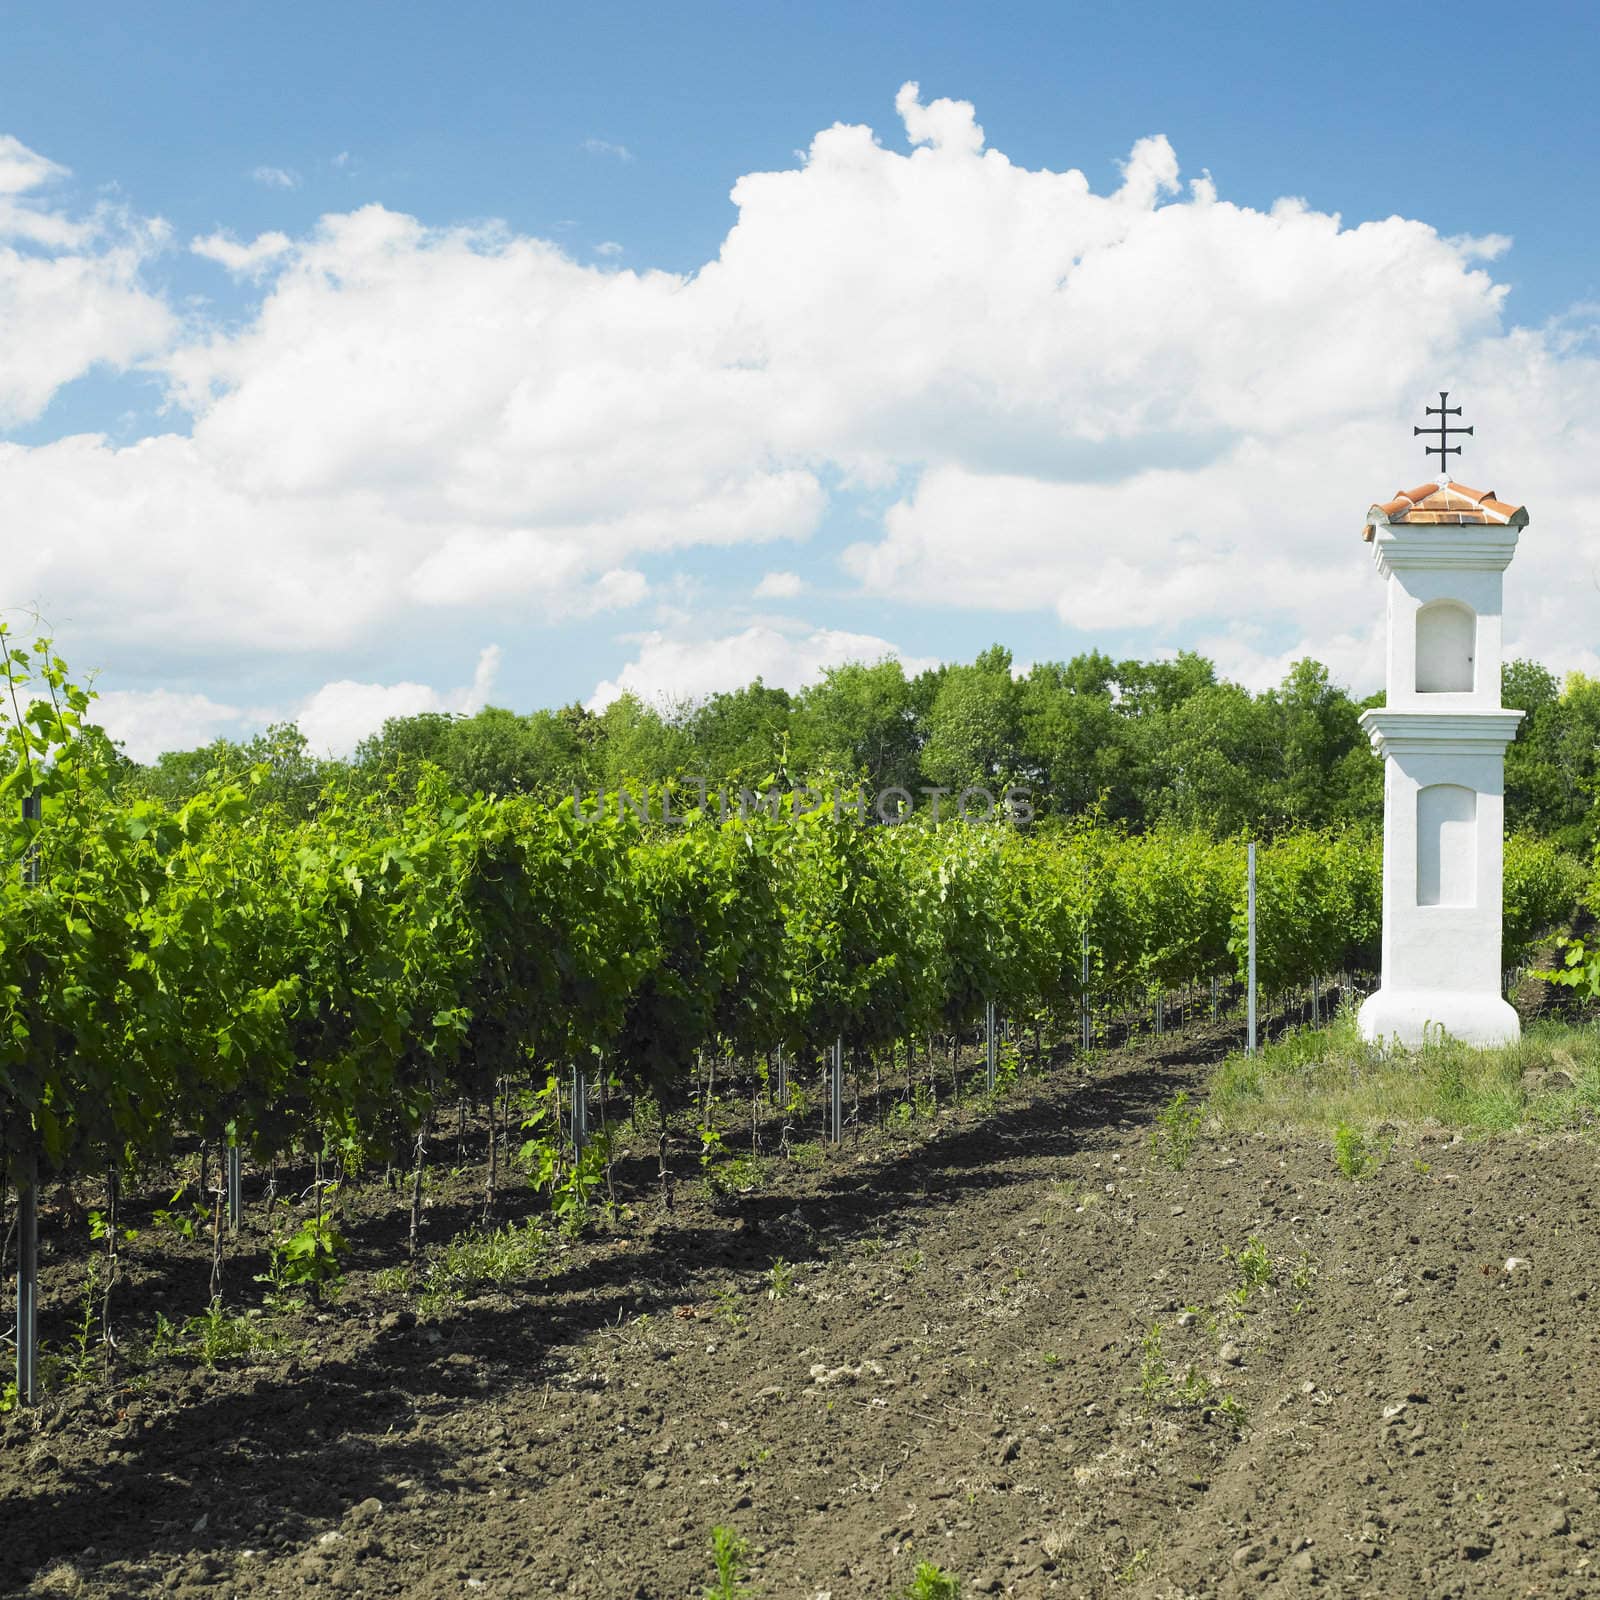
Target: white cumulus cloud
(670,668)
(147,722)
(334,718)
(340,715)
(1148,409)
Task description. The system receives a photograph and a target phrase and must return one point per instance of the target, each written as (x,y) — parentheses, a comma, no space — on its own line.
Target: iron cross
(1442,429)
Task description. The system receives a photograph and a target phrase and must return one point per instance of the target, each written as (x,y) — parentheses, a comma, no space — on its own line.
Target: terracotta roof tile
(1448,503)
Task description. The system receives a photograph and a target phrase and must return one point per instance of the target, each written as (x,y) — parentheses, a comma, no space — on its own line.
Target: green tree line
(1142,743)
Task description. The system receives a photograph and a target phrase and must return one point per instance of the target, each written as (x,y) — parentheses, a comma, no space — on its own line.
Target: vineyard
(458,1025)
(272,986)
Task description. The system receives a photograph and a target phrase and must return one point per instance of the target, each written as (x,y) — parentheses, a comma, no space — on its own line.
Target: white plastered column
(1444,789)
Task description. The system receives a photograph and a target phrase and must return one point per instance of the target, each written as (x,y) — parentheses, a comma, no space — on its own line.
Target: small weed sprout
(400,1280)
(1158,1389)
(182,1224)
(728,1554)
(1008,1068)
(727,1175)
(1139,1559)
(634,1338)
(1153,1378)
(80,1365)
(166,1340)
(1176,1128)
(931,1582)
(780,1280)
(729,1306)
(1352,1154)
(1305,1275)
(1232,1412)
(1254,1268)
(310,1259)
(735,1175)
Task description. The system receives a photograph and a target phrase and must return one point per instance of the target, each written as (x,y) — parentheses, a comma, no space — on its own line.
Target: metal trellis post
(28,1210)
(235,1177)
(991,1038)
(580,1110)
(1250,1045)
(836,1090)
(1085,1018)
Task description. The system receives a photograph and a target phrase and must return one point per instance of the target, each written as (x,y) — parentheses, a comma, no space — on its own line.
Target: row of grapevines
(326,981)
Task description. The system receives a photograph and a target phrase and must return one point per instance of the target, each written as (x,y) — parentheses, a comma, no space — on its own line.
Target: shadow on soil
(270,1458)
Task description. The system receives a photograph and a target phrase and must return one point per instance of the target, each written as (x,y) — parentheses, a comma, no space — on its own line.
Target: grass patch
(1160,1391)
(1175,1130)
(482,1258)
(1330,1079)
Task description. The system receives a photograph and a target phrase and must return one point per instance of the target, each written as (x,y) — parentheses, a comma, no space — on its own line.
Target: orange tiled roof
(1448,503)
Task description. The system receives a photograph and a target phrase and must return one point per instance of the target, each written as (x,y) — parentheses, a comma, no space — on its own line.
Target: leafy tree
(277,760)
(1216,749)
(1074,746)
(862,721)
(1553,765)
(1134,742)
(739,736)
(1152,688)
(1325,771)
(637,744)
(973,724)
(498,752)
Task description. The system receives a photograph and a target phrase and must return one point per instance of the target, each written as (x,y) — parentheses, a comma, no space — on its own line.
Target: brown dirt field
(959,1376)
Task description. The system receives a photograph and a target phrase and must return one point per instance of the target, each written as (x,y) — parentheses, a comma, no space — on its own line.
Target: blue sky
(616,133)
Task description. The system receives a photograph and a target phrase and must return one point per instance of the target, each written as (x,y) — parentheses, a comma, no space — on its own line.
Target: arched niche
(1447,845)
(1446,645)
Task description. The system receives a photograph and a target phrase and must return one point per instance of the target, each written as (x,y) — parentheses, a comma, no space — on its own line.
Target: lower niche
(1447,855)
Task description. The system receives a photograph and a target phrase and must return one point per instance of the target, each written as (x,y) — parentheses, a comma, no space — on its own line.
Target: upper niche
(1445,640)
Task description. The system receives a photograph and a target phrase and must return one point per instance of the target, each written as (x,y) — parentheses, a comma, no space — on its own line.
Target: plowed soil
(961,1371)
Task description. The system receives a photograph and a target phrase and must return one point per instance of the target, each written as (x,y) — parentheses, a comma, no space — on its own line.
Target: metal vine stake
(1442,428)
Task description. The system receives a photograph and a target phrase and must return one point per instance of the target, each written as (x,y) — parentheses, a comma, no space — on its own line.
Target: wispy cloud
(22,169)
(76,298)
(779,586)
(248,259)
(276,177)
(608,247)
(605,147)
